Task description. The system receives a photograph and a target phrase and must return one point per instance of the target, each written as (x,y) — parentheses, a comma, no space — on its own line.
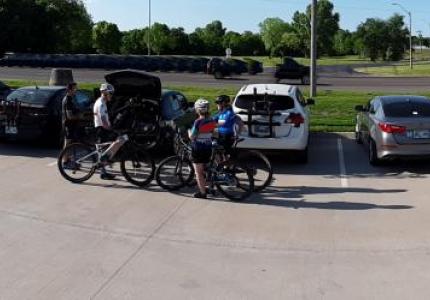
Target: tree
(373,34)
(212,37)
(344,43)
(397,37)
(160,37)
(251,44)
(44,26)
(133,42)
(271,31)
(106,38)
(327,27)
(178,41)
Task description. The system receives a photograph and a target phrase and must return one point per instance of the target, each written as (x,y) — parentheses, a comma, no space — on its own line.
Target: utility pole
(149,28)
(410,32)
(313,87)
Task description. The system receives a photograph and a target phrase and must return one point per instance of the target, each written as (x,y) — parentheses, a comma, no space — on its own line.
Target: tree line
(65,26)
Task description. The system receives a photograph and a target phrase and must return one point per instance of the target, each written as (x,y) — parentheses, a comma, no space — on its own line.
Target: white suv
(275,117)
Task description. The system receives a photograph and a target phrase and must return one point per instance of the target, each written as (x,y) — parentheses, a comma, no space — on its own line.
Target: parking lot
(335,228)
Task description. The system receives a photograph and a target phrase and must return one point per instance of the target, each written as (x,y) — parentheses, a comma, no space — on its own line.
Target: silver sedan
(394,127)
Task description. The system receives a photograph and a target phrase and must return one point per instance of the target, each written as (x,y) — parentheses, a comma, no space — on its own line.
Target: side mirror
(310,102)
(359,108)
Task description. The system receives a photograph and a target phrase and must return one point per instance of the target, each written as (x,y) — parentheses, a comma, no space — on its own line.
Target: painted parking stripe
(53,164)
(342,167)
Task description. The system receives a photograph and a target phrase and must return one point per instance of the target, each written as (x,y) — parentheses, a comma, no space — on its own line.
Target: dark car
(291,69)
(33,113)
(140,105)
(220,68)
(4,91)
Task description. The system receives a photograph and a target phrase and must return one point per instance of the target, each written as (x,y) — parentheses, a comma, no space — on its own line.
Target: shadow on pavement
(28,149)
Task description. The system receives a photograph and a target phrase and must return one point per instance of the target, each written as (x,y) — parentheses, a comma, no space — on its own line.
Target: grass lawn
(333,111)
(422,70)
(323,61)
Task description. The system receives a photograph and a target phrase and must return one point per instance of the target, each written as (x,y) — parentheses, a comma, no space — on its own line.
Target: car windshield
(407,108)
(275,102)
(32,96)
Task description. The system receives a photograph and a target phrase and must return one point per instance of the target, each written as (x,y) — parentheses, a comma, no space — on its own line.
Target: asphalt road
(335,228)
(337,79)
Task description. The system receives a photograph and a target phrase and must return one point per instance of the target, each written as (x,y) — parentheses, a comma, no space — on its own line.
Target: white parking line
(53,164)
(342,167)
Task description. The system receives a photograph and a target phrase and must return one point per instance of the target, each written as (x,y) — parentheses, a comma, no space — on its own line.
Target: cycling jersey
(226,121)
(202,131)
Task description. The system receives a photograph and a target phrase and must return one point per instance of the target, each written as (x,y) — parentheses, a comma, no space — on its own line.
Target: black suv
(291,69)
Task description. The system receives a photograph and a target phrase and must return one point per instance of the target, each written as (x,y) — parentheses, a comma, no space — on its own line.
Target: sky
(241,15)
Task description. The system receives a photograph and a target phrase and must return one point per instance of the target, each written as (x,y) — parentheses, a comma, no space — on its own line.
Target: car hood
(132,84)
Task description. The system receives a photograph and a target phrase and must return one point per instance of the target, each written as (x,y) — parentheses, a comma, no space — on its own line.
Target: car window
(32,96)
(407,109)
(275,102)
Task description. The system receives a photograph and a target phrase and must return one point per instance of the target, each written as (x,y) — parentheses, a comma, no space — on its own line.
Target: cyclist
(227,122)
(103,129)
(201,143)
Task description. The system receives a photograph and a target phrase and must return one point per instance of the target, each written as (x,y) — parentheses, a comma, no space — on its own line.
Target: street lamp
(410,32)
(149,28)
(313,86)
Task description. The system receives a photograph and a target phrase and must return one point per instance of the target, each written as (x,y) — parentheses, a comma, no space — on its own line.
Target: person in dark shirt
(71,116)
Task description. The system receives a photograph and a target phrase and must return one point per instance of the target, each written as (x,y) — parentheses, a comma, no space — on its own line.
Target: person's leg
(201,181)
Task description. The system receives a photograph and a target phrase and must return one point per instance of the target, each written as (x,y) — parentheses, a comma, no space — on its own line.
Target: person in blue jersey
(229,124)
(201,143)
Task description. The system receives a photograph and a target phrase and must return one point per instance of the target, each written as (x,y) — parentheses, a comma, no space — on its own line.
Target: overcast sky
(241,15)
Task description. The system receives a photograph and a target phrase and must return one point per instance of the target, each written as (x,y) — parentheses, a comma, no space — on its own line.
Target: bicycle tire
(73,148)
(143,166)
(181,179)
(260,165)
(246,183)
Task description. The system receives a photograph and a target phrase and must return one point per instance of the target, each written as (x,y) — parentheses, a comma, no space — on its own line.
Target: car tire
(305,80)
(218,75)
(373,154)
(302,156)
(358,137)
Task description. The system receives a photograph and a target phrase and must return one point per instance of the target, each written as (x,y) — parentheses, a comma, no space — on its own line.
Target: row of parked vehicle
(219,67)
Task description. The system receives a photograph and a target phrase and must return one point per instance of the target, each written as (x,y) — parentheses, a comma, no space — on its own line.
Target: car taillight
(390,128)
(296,119)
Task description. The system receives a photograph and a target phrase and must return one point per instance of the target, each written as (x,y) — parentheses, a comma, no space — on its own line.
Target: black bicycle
(78,162)
(231,178)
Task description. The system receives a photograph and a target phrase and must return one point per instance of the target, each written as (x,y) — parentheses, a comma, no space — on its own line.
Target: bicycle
(233,180)
(82,161)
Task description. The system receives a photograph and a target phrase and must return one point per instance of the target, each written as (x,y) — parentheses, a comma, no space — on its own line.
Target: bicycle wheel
(77,162)
(138,168)
(260,166)
(235,182)
(174,173)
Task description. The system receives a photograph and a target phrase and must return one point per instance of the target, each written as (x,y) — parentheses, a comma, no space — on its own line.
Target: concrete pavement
(333,229)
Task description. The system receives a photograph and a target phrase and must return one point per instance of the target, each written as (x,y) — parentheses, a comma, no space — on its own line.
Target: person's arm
(193,132)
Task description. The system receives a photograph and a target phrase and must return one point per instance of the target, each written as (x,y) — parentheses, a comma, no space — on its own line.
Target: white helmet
(106,87)
(202,106)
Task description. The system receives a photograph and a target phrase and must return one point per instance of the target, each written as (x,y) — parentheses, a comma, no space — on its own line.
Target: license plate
(261,129)
(419,134)
(11,130)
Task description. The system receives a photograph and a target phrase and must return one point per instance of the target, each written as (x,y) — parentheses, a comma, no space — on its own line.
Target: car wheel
(218,75)
(302,156)
(358,137)
(306,79)
(373,154)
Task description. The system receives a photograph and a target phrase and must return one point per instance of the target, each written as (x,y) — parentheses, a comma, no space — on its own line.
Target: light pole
(149,28)
(313,91)
(410,32)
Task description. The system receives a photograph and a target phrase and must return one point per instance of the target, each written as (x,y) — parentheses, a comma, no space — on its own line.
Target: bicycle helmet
(106,87)
(202,106)
(222,99)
